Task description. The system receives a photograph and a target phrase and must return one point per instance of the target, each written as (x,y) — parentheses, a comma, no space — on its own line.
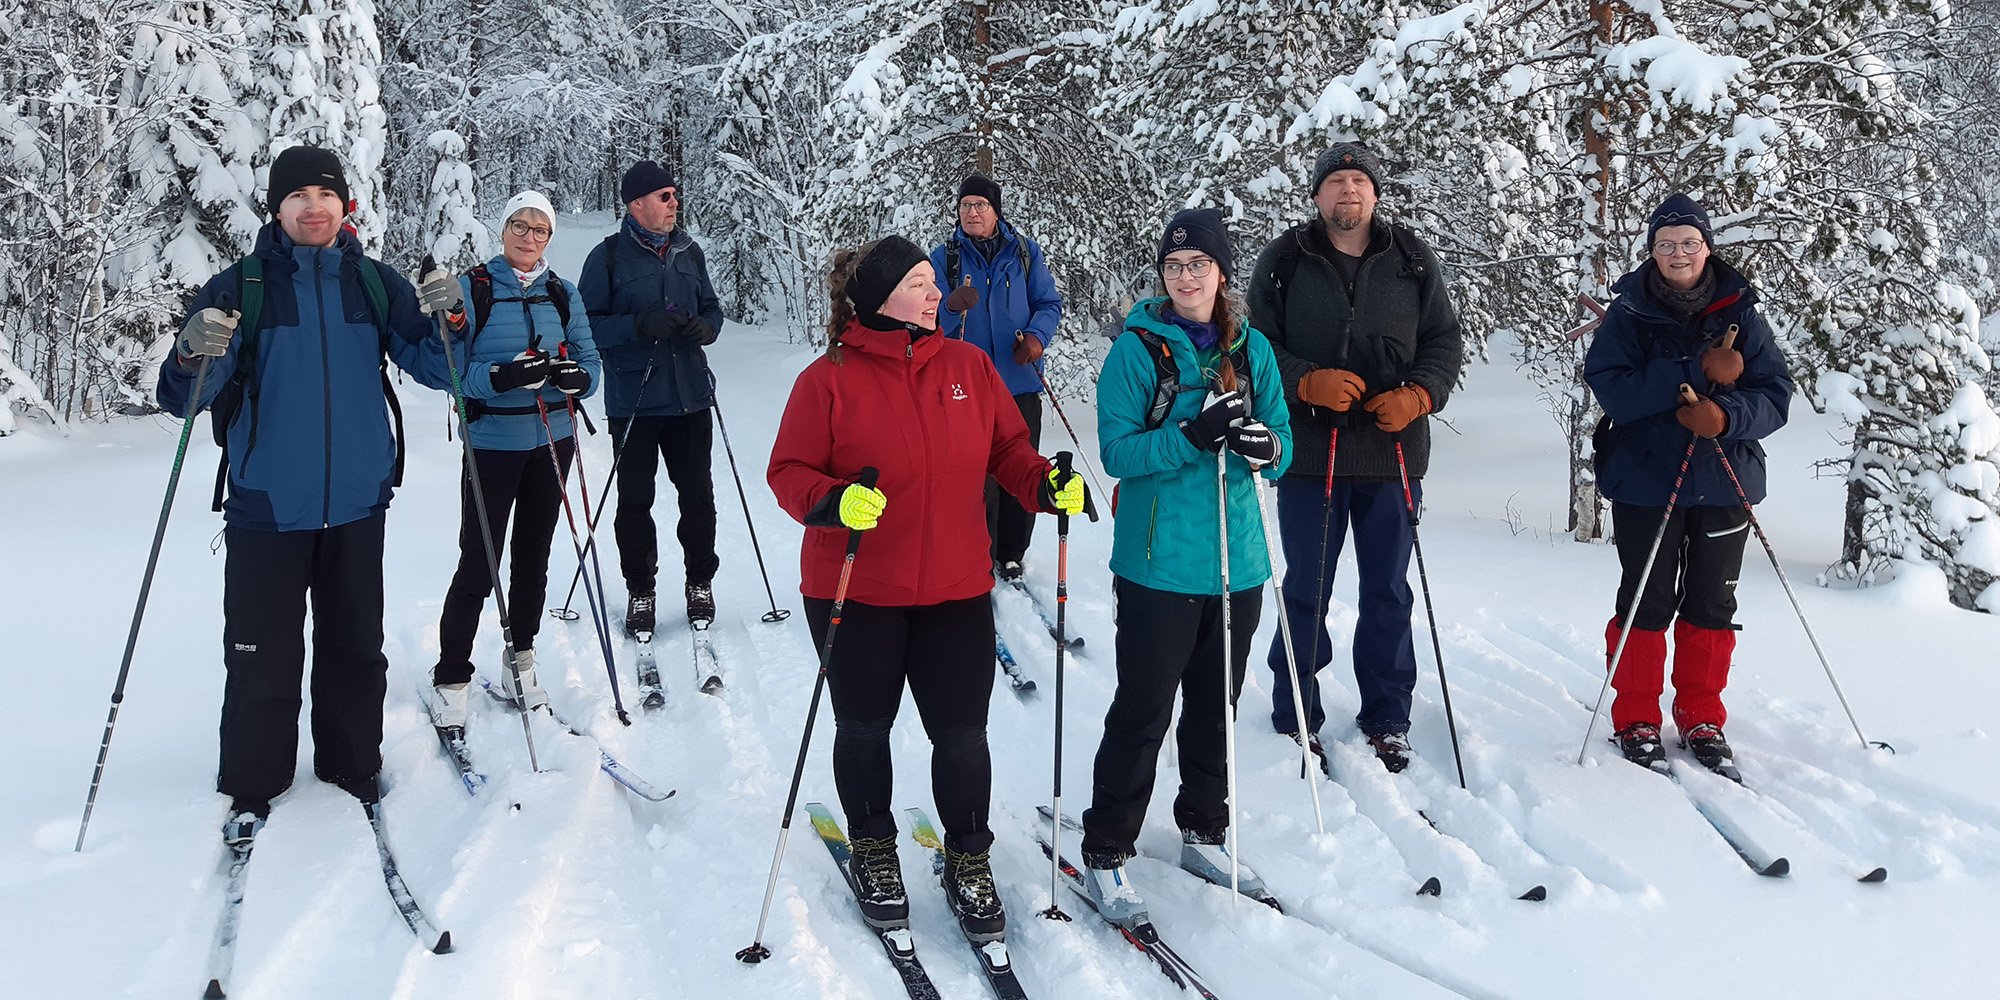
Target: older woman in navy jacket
(1684,318)
(528,352)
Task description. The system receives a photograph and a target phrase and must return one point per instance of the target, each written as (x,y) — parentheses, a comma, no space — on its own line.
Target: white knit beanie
(529,199)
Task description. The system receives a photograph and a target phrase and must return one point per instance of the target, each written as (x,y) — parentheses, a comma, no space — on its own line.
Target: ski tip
(1776,869)
(1431,887)
(754,954)
(1875,877)
(1535,895)
(214,991)
(653,703)
(443,944)
(713,685)
(1026,687)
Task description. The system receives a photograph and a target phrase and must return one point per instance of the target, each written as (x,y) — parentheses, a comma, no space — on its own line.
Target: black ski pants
(685,443)
(267,578)
(519,483)
(1694,577)
(1008,524)
(945,653)
(1167,642)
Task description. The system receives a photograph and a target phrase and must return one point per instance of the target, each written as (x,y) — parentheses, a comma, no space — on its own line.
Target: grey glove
(438,292)
(207,333)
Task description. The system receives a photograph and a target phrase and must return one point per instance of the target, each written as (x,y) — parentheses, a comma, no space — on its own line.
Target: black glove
(1205,429)
(655,325)
(697,332)
(528,371)
(1254,441)
(568,376)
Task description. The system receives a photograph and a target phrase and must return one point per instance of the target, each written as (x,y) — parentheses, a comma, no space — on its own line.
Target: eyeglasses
(1667,248)
(539,234)
(669,195)
(972,206)
(1197,268)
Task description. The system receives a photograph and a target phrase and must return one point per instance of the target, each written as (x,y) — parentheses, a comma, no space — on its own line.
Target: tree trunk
(1585,515)
(982,70)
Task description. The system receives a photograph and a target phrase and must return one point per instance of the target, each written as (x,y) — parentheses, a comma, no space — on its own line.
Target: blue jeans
(1385,660)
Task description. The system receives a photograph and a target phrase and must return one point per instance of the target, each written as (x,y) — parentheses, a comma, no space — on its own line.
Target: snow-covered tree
(320,84)
(451,219)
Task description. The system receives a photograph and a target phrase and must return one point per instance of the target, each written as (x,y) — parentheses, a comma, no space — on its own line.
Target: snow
(584,891)
(1678,69)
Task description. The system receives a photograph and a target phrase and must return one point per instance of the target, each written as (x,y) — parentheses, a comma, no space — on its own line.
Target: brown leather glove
(1027,349)
(961,298)
(1703,417)
(1396,408)
(1721,365)
(1334,388)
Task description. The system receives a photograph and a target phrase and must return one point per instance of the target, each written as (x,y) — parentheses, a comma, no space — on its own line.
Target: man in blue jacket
(652,310)
(1013,322)
(301,398)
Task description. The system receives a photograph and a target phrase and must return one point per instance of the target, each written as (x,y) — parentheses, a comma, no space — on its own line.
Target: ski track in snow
(588,891)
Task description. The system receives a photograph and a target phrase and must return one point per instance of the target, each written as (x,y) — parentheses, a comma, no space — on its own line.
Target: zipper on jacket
(326,393)
(1152,524)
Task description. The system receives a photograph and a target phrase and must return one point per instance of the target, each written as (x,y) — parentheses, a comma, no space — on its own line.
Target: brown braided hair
(1224,318)
(840,310)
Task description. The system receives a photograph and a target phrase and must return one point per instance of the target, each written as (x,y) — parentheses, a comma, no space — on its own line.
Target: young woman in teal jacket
(1161,438)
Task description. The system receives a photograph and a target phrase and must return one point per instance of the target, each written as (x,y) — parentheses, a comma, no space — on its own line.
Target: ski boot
(878,882)
(450,707)
(1110,892)
(530,695)
(639,614)
(1640,743)
(1392,749)
(1711,750)
(1205,856)
(968,885)
(701,604)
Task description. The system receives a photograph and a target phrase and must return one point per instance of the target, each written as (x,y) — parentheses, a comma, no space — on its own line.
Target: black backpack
(954,269)
(1402,239)
(245,384)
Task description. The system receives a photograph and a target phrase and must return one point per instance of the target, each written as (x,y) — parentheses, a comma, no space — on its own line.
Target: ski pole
(1638,592)
(145,591)
(1866,743)
(1049,391)
(617,456)
(590,594)
(1319,588)
(1291,657)
(479,505)
(776,614)
(757,952)
(1430,612)
(1054,912)
(1228,669)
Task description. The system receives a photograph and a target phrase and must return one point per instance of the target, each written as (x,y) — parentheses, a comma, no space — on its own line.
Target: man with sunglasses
(652,310)
(1013,322)
(1369,345)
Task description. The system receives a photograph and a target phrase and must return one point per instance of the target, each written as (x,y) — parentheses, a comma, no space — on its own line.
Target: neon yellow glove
(1065,497)
(861,506)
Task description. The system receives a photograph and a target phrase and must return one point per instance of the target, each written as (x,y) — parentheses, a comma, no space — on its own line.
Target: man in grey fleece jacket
(1369,346)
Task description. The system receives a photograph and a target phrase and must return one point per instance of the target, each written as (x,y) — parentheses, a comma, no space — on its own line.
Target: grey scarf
(1682,305)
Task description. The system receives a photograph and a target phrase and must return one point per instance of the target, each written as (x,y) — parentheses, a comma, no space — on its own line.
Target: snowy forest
(1843,147)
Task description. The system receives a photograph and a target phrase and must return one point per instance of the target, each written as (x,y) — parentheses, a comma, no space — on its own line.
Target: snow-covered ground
(560,884)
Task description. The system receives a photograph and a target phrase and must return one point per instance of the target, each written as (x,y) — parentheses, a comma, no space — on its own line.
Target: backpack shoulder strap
(250,297)
(952,267)
(610,245)
(250,309)
(1021,250)
(378,300)
(559,297)
(1166,376)
(482,299)
(1285,267)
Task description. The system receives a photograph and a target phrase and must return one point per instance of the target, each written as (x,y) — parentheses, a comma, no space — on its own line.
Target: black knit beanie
(981,186)
(879,272)
(645,177)
(1679,210)
(1196,229)
(1347,156)
(301,167)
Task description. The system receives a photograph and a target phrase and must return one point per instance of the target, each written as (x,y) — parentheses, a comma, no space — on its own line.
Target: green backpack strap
(378,301)
(250,311)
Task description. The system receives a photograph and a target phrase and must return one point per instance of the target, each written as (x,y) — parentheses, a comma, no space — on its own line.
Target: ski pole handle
(869,474)
(1688,396)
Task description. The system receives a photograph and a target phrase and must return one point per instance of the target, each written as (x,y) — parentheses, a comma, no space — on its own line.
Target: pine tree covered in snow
(451,219)
(320,84)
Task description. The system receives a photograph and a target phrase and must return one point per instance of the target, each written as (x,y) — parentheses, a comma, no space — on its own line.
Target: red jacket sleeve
(802,454)
(1014,462)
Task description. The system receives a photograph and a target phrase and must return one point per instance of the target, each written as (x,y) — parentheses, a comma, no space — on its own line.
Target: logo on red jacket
(958,391)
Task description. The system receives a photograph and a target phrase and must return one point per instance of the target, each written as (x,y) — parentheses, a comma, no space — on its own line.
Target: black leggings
(945,652)
(511,481)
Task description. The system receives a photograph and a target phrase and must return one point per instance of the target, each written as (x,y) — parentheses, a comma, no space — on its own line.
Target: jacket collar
(893,345)
(1733,292)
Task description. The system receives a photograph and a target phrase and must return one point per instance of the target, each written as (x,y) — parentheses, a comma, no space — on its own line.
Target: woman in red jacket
(934,417)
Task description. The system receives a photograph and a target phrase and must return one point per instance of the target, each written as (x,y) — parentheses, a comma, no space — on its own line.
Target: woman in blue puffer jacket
(528,357)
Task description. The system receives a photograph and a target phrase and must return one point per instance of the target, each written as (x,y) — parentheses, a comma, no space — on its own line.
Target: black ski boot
(246,817)
(968,885)
(1711,750)
(1318,751)
(1640,743)
(1392,749)
(639,614)
(878,882)
(701,604)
